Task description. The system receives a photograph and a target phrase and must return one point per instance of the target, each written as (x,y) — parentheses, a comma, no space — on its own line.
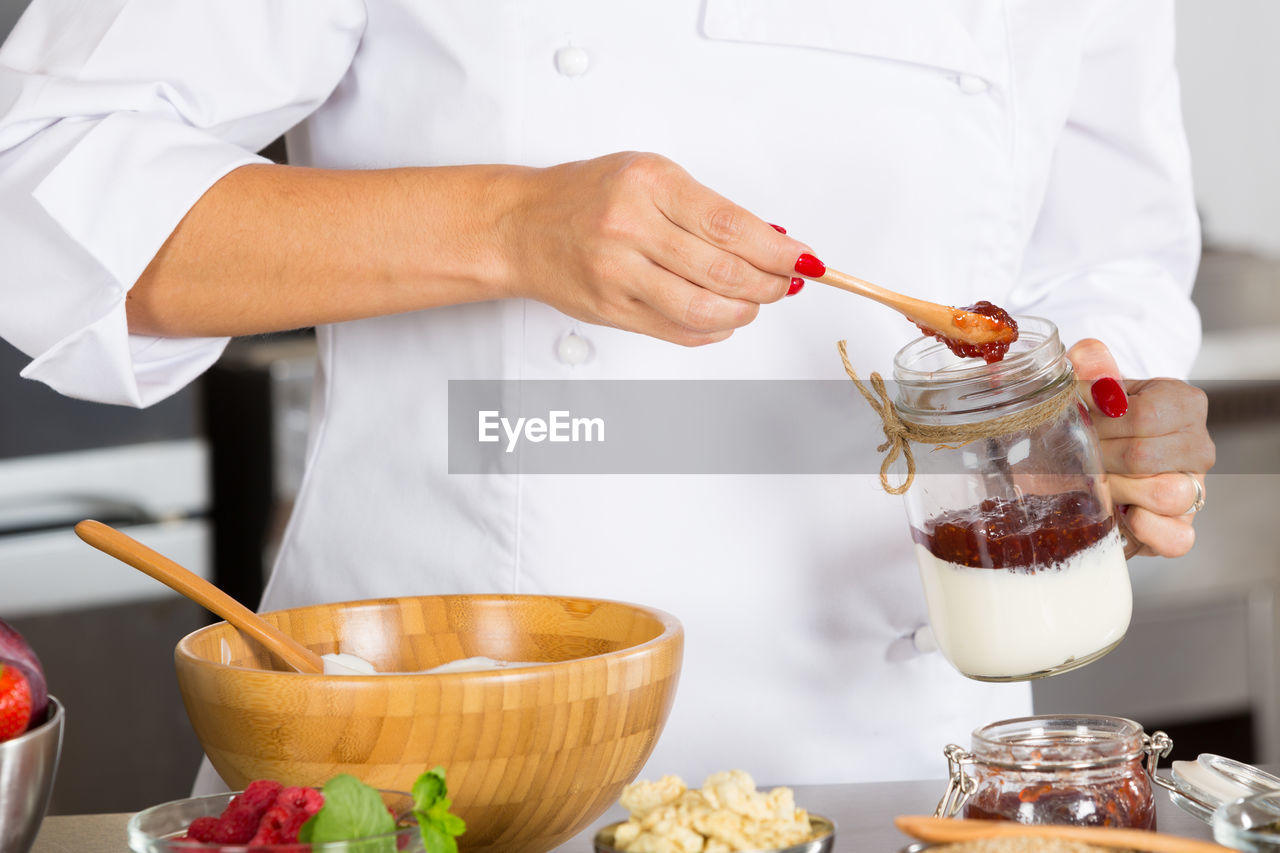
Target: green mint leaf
(307,830)
(436,840)
(351,810)
(431,806)
(453,824)
(429,788)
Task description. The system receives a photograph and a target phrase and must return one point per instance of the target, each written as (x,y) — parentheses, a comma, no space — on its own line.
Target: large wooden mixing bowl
(532,754)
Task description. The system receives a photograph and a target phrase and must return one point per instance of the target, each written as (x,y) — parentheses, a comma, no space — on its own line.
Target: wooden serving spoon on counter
(940,830)
(129,550)
(955,323)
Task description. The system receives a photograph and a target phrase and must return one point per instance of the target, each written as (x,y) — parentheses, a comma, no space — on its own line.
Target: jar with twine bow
(1021,560)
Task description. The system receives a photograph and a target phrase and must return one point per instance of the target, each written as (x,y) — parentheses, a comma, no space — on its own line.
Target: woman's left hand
(1155,448)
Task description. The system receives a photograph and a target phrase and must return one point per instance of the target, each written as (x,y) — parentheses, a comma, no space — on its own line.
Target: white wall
(1230,70)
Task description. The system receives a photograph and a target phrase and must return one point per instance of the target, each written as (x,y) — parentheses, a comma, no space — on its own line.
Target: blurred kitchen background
(207,478)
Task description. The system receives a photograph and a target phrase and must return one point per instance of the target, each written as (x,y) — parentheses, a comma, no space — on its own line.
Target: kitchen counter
(863,814)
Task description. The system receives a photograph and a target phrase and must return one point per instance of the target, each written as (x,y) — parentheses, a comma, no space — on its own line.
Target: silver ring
(1198,503)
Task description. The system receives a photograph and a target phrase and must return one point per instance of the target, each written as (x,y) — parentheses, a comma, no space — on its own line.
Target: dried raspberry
(201,829)
(280,825)
(239,821)
(307,800)
(294,826)
(271,829)
(260,795)
(235,826)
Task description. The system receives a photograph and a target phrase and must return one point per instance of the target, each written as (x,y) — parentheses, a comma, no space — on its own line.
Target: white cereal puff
(642,797)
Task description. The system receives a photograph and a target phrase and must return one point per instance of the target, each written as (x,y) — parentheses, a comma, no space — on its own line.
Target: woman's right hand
(627,240)
(632,241)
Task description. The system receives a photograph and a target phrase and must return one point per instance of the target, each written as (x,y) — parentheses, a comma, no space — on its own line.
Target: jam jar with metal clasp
(1057,769)
(1020,556)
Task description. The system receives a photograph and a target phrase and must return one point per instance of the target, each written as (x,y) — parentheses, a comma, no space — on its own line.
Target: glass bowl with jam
(1020,555)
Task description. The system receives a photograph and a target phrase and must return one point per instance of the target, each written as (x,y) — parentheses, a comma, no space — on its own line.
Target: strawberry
(15,701)
(14,649)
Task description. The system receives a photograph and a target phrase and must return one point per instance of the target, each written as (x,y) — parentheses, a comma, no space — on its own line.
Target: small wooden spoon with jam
(978,331)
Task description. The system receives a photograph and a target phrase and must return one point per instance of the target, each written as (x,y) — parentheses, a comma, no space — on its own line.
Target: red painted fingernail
(797,285)
(778,228)
(810,267)
(1109,396)
(1123,509)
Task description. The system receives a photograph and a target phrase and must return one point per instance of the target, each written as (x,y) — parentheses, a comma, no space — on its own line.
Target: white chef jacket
(1029,153)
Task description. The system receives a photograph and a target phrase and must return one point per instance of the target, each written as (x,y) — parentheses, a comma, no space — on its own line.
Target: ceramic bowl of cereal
(728,814)
(535,751)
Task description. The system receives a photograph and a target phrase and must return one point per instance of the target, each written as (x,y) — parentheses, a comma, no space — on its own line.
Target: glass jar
(1061,769)
(1021,559)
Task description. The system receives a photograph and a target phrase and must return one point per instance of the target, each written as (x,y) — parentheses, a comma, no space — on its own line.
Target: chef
(468,198)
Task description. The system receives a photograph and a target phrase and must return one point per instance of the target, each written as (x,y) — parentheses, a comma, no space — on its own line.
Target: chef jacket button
(573,349)
(572,61)
(923,640)
(972,85)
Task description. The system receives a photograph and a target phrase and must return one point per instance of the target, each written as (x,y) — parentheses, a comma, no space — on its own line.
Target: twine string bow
(900,433)
(897,435)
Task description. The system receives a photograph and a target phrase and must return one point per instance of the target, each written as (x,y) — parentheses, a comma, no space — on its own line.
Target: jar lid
(1200,786)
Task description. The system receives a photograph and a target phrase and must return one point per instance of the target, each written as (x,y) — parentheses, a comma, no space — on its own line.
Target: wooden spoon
(940,830)
(129,550)
(964,326)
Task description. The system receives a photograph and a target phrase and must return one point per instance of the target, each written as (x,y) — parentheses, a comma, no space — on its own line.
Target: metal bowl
(28,765)
(822,842)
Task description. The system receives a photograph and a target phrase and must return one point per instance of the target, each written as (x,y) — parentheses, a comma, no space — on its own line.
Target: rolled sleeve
(110,133)
(124,187)
(104,363)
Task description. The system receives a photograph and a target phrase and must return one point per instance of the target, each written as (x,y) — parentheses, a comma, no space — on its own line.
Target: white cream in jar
(1018,621)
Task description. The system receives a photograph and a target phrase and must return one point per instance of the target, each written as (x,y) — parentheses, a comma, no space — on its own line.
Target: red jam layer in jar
(1123,800)
(991,351)
(1069,769)
(1037,531)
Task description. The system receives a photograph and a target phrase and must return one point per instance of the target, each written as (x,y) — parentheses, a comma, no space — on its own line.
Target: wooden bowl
(532,754)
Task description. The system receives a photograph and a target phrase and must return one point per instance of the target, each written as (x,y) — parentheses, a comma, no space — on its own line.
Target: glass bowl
(1249,823)
(157,830)
(824,838)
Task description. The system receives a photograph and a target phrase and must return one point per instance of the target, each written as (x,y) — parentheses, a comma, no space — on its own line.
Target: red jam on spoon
(990,351)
